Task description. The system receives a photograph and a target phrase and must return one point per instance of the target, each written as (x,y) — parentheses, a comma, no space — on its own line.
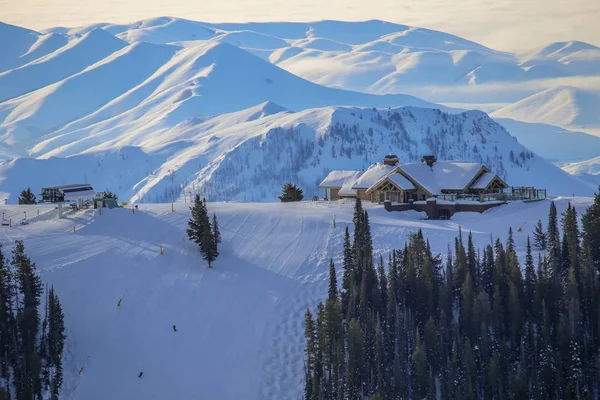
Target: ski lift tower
(67,193)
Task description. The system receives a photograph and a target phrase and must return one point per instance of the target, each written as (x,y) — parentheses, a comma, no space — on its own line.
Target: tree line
(472,325)
(204,233)
(31,339)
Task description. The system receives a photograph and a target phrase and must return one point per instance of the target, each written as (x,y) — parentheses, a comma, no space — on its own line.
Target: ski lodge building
(438,188)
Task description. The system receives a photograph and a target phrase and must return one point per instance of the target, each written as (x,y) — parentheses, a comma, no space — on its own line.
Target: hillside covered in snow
(248,155)
(242,320)
(164,107)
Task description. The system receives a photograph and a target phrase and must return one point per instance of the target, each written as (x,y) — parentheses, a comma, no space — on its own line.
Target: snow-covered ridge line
(248,155)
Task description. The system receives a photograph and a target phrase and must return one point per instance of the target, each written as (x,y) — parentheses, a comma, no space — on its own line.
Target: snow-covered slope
(553,143)
(588,170)
(241,321)
(168,82)
(561,106)
(247,155)
(64,62)
(154,83)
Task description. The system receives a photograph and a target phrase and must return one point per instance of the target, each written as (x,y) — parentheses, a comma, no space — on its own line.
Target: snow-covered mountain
(561,106)
(152,94)
(247,155)
(588,170)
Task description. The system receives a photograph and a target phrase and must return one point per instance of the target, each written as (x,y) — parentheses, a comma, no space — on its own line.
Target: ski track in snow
(241,321)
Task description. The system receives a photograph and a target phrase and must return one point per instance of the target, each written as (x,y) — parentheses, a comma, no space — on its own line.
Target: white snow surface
(241,321)
(588,170)
(186,96)
(339,178)
(372,175)
(400,181)
(247,155)
(561,106)
(483,181)
(442,175)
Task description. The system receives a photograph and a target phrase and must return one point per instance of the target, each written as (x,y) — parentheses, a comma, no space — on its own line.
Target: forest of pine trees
(204,233)
(31,340)
(475,325)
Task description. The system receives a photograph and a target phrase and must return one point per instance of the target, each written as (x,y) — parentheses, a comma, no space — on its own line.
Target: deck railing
(509,194)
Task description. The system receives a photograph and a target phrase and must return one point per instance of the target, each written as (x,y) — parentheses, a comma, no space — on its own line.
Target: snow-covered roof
(374,174)
(398,179)
(443,175)
(401,182)
(337,179)
(483,181)
(346,189)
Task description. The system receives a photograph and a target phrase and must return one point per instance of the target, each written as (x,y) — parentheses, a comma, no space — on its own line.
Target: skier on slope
(140,375)
(174,328)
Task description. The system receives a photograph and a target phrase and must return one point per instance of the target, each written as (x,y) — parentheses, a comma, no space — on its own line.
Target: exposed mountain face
(248,155)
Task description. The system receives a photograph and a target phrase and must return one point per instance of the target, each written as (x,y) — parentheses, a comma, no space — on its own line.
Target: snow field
(240,332)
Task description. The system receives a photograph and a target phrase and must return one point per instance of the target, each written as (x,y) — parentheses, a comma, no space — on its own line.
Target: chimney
(429,160)
(391,159)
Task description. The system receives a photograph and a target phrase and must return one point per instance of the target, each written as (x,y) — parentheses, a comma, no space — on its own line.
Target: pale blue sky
(511,25)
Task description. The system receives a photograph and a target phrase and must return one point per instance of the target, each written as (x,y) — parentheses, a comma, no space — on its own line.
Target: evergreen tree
(56,342)
(540,237)
(215,230)
(355,375)
(196,223)
(511,335)
(7,320)
(310,352)
(591,231)
(553,253)
(208,246)
(530,281)
(290,193)
(202,233)
(348,275)
(332,281)
(28,371)
(27,197)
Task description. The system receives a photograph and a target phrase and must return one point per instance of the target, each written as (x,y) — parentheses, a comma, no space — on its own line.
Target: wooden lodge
(439,188)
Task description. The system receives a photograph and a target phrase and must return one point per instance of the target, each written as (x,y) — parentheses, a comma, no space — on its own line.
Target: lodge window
(395,197)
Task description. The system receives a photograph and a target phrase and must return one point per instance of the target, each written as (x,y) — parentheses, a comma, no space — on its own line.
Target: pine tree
(355,375)
(7,320)
(420,369)
(215,230)
(530,281)
(310,353)
(347,276)
(333,292)
(553,253)
(200,231)
(208,246)
(540,237)
(196,224)
(290,193)
(591,231)
(27,197)
(56,342)
(28,372)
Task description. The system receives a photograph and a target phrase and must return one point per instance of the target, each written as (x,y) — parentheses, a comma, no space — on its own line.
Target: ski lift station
(67,194)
